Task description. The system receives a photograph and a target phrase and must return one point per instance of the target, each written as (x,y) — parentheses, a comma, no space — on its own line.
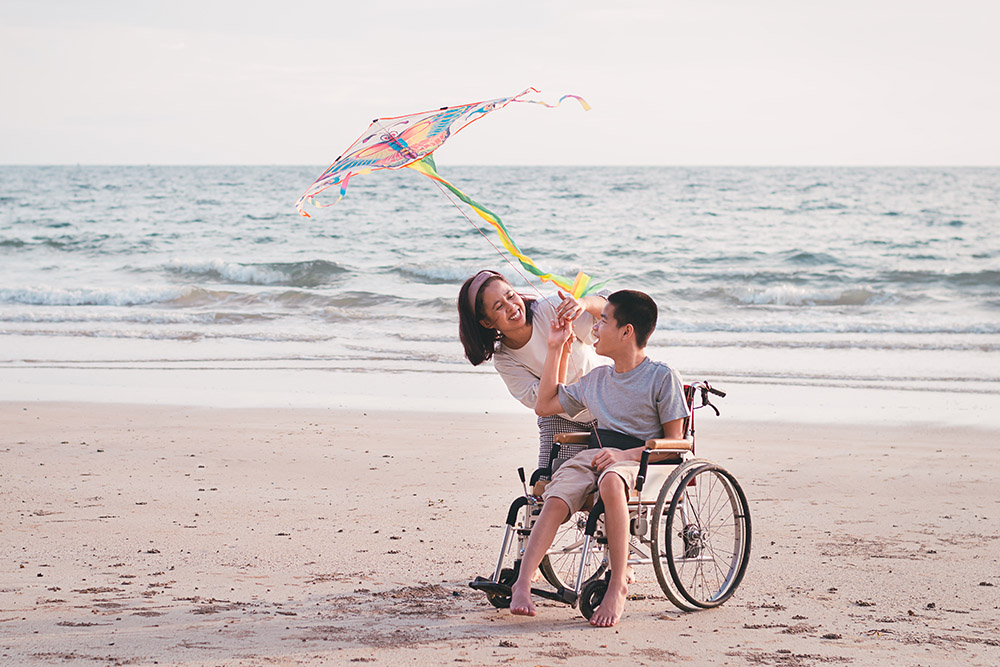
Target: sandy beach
(205,536)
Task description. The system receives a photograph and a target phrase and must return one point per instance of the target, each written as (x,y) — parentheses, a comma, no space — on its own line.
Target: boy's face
(607,332)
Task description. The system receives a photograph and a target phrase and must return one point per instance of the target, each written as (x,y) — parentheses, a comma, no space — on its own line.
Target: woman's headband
(477,283)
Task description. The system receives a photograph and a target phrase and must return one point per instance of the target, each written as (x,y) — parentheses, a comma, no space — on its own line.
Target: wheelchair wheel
(660,511)
(591,596)
(702,531)
(498,600)
(561,564)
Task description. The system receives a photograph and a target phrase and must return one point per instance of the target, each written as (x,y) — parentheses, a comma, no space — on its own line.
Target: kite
(410,141)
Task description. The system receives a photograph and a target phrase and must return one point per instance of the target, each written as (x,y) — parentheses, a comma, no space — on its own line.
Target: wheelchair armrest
(668,444)
(572,438)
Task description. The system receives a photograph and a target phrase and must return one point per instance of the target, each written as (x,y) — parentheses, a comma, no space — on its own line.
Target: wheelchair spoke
(707,544)
(561,564)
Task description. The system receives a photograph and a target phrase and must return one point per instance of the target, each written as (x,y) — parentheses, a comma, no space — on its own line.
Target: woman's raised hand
(569,309)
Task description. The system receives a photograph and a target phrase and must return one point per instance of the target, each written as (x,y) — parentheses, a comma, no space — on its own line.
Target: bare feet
(630,575)
(520,600)
(610,610)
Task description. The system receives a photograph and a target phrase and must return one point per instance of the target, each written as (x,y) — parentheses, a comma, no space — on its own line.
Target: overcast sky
(796,82)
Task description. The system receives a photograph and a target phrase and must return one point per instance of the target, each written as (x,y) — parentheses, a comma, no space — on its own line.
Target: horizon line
(461,164)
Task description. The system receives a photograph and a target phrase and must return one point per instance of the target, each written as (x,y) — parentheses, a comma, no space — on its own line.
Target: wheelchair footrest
(564,595)
(489,586)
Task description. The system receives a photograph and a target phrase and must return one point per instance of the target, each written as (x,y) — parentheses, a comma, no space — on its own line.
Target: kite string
(488,239)
(572,362)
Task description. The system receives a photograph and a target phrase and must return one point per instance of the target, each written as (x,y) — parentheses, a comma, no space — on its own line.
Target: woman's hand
(569,309)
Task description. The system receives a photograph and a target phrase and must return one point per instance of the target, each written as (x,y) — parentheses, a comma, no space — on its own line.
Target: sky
(671,82)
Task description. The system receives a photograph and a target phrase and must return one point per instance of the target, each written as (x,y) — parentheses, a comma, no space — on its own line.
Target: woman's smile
(503,307)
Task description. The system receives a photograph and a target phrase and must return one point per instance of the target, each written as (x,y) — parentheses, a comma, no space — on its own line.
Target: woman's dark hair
(637,309)
(479,342)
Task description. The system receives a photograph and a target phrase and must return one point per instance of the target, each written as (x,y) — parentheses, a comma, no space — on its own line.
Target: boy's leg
(543,531)
(614,493)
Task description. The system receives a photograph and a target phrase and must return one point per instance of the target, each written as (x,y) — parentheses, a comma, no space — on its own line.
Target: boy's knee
(612,482)
(556,507)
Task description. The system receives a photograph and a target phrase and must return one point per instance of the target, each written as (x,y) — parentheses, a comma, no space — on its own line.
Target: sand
(200,536)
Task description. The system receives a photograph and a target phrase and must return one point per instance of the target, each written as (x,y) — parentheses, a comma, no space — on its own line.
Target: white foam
(45,295)
(794,295)
(249,274)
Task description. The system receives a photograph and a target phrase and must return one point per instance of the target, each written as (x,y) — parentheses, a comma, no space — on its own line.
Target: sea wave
(835,327)
(985,278)
(89,296)
(293,299)
(310,273)
(432,275)
(806,258)
(173,334)
(795,295)
(76,315)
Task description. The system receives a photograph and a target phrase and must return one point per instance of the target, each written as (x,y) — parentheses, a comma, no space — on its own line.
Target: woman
(495,322)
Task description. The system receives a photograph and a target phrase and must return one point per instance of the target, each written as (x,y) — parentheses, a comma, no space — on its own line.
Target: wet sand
(200,536)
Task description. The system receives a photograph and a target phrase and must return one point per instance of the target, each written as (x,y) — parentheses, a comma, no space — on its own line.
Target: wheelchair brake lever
(520,473)
(705,401)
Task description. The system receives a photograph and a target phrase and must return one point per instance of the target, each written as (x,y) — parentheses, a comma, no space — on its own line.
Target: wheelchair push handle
(705,389)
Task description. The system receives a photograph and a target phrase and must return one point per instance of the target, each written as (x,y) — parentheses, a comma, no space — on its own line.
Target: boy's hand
(569,309)
(559,332)
(610,456)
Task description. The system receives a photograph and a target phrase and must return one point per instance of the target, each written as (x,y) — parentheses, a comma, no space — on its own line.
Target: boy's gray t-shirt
(636,403)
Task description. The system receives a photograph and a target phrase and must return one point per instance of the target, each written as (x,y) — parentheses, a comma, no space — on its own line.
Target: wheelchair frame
(696,533)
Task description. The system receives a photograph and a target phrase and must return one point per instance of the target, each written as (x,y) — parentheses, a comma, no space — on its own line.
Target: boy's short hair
(635,308)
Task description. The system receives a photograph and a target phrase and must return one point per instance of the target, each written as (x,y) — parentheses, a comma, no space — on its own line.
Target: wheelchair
(694,529)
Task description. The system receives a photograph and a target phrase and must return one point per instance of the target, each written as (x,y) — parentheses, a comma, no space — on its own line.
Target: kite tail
(583,102)
(579,287)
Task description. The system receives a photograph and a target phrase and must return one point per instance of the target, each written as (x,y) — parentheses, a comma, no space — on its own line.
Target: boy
(637,397)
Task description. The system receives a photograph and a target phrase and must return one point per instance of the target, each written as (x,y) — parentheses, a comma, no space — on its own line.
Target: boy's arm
(673,430)
(547,402)
(564,360)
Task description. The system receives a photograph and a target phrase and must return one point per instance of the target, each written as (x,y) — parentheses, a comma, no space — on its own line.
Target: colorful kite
(410,141)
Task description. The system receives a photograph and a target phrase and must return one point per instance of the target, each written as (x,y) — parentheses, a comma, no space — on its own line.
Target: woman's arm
(521,381)
(571,308)
(593,305)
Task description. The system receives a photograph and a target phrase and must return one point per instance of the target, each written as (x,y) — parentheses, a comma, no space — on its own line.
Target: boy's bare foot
(630,577)
(611,608)
(520,600)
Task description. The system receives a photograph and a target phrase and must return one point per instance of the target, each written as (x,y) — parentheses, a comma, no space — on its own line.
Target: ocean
(832,277)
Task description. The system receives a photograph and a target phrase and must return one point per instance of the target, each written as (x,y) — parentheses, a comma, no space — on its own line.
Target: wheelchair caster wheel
(499,600)
(591,595)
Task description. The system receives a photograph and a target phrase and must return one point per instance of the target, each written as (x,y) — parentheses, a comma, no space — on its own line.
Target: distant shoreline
(471,393)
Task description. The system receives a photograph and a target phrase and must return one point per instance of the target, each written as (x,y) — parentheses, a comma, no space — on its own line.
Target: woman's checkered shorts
(548,427)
